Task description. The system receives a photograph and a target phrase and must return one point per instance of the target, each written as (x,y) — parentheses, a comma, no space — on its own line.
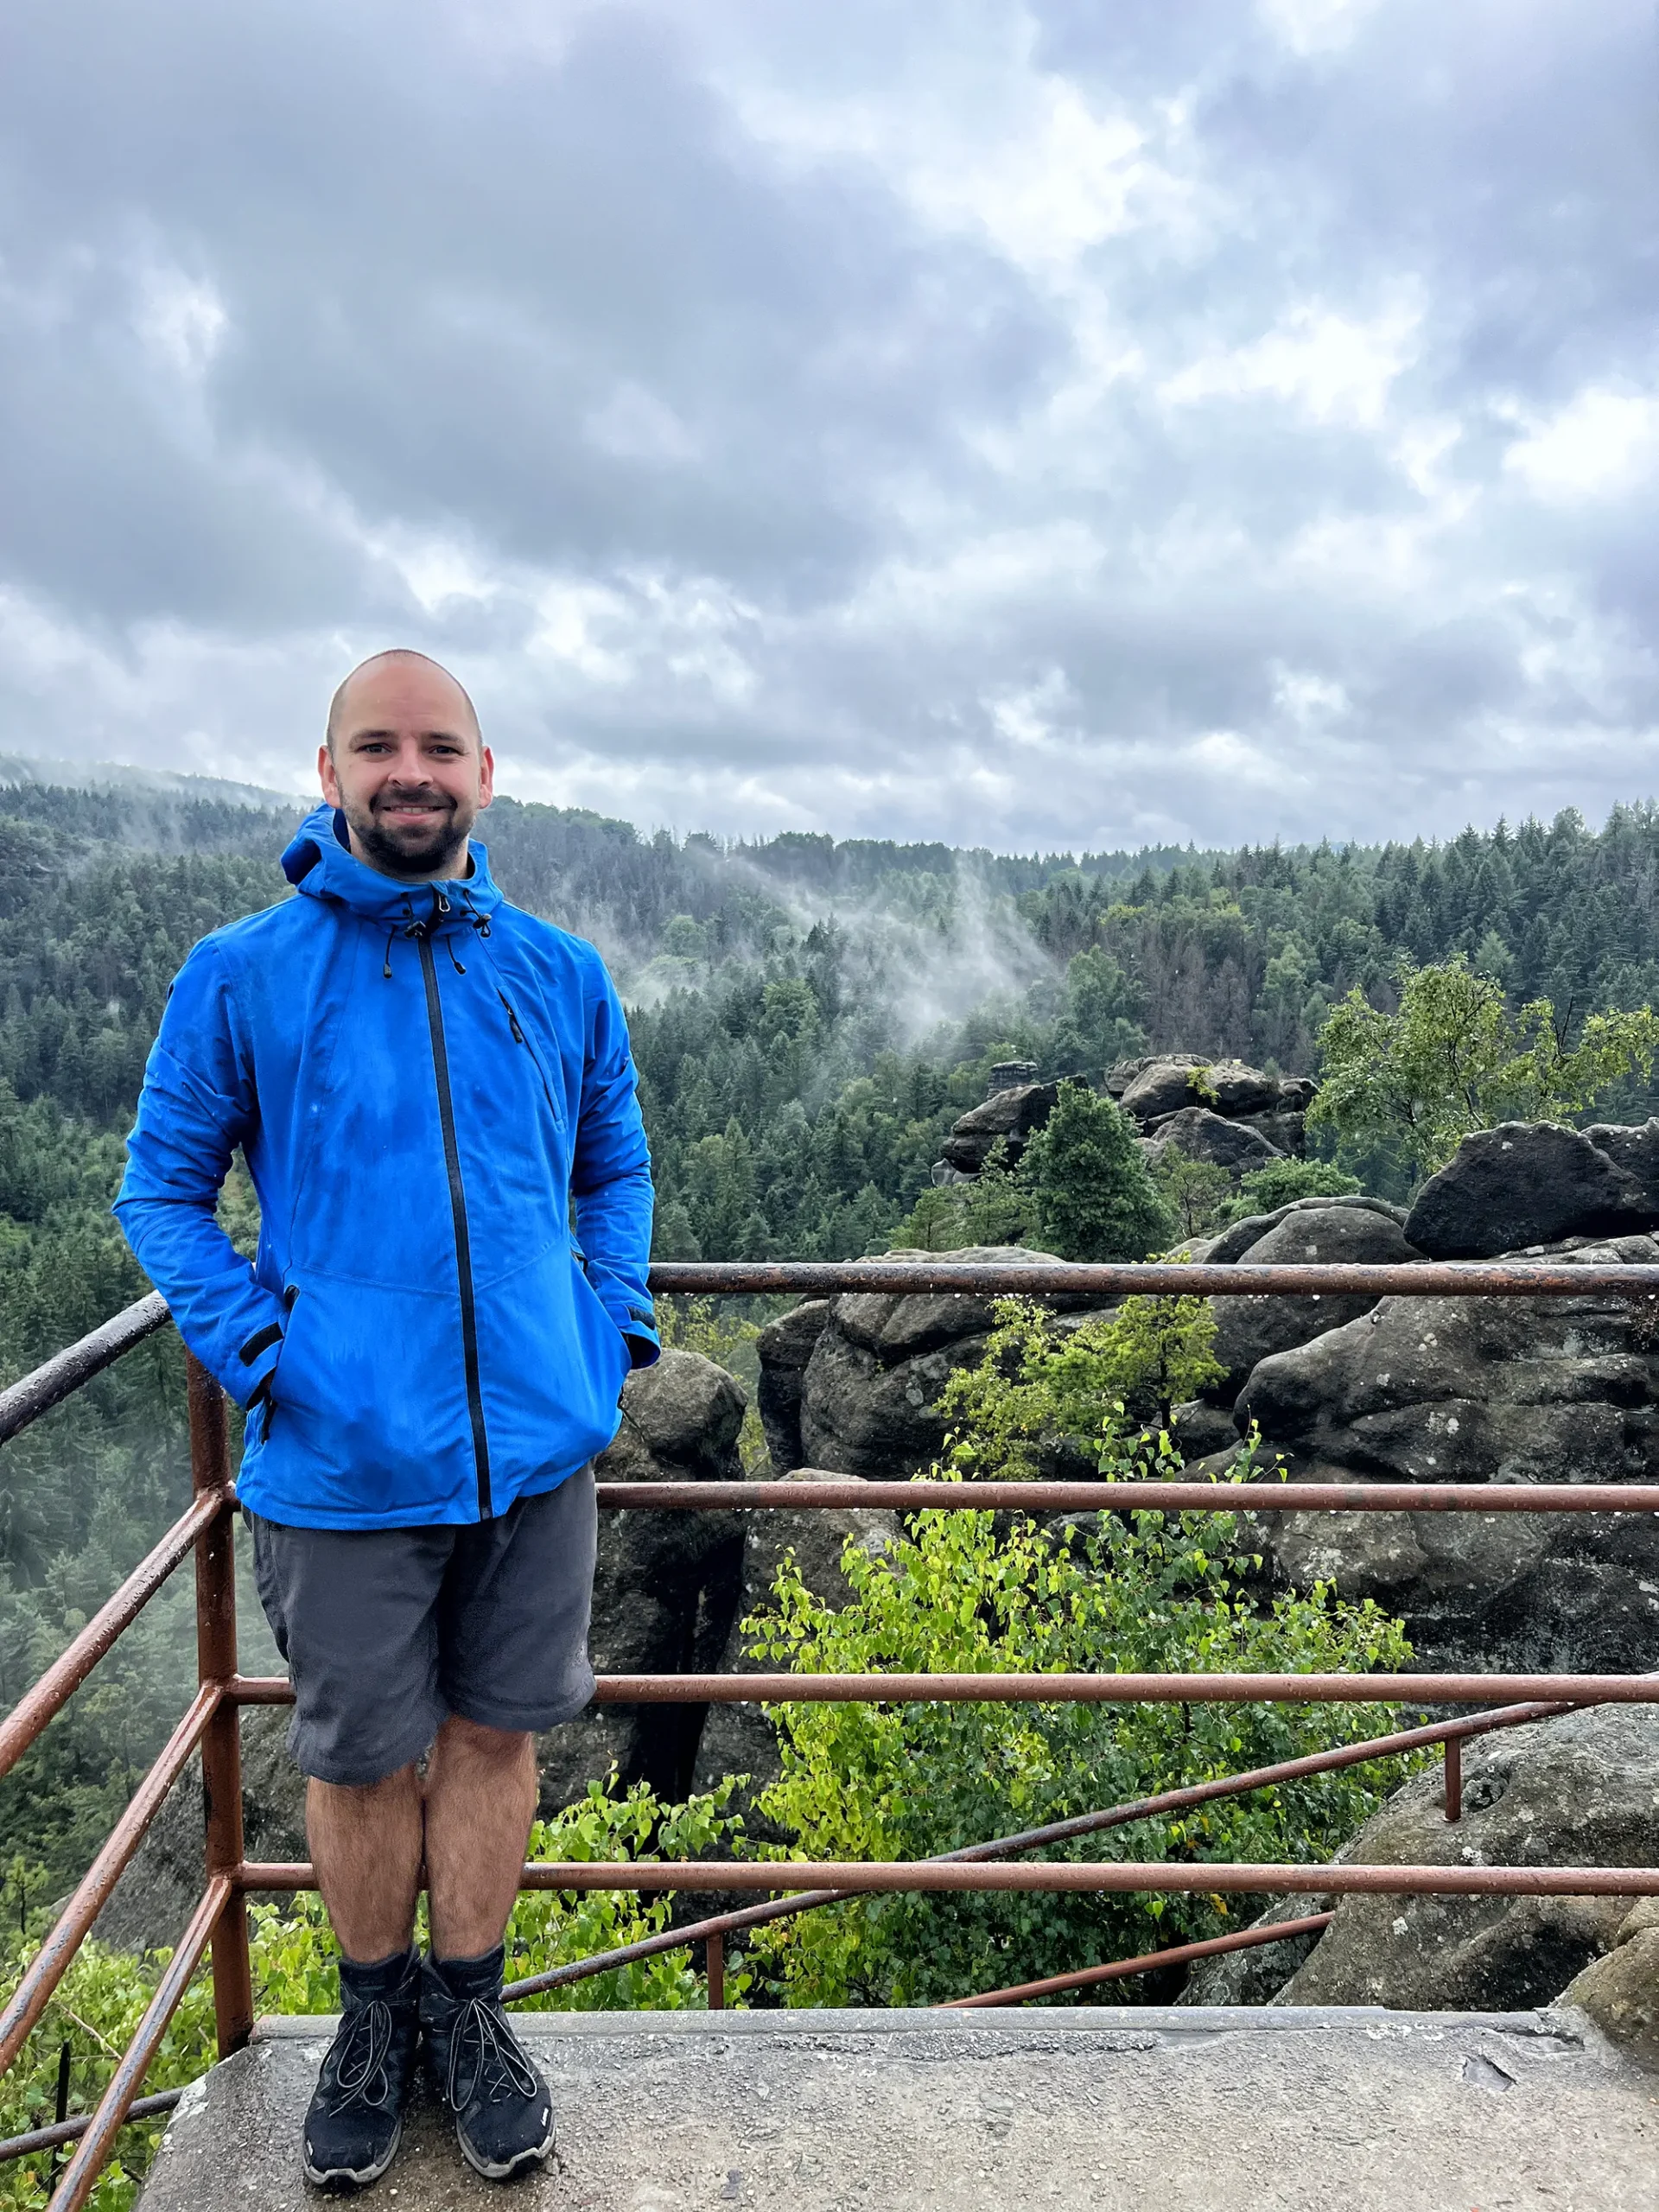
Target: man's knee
(501,1746)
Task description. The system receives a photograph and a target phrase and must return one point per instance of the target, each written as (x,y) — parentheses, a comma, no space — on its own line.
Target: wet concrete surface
(1111,2109)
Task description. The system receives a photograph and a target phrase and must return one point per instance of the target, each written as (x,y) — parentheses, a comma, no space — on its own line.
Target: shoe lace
(486,2057)
(359,2057)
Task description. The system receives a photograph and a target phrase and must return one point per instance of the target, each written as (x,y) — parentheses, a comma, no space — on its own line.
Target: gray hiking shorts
(388,1631)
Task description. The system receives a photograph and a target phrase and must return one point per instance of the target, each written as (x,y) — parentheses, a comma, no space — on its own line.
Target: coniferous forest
(809,1017)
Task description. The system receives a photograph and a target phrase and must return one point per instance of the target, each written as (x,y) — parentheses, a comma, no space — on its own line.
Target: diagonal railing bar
(58,1378)
(81,2177)
(1247,1939)
(50,1963)
(70,1670)
(1185,1799)
(72,2130)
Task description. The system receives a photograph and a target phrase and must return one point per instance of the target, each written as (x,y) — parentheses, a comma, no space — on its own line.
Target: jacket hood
(320,864)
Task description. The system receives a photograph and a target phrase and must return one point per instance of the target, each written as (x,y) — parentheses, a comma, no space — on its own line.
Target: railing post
(1453,1796)
(714,1957)
(221,1747)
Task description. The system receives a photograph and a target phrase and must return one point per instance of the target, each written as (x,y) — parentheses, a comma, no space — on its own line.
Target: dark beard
(398,856)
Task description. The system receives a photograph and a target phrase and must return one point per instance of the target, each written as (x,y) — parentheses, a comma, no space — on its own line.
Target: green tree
(1453,1059)
(1093,1193)
(1150,1592)
(1197,1190)
(1264,1189)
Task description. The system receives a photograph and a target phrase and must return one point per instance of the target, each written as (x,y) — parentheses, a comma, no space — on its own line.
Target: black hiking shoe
(503,2108)
(356,2119)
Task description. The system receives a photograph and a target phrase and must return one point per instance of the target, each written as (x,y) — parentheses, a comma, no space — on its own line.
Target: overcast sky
(1084,423)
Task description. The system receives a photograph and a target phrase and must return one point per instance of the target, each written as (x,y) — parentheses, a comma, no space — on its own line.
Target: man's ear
(485,775)
(327,777)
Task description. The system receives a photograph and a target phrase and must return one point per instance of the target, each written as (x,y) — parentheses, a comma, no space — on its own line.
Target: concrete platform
(1113,2109)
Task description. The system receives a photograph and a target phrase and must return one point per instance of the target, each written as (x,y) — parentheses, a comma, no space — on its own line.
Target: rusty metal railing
(219,1924)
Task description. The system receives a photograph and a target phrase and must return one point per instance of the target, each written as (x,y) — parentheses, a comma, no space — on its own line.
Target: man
(425,1082)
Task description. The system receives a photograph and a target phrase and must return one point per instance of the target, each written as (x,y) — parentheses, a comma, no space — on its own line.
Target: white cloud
(1604,443)
(1334,367)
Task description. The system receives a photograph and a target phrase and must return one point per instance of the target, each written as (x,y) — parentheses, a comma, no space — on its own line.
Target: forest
(808,1017)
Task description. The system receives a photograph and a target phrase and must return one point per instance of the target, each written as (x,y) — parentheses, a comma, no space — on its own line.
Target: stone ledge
(1106,2109)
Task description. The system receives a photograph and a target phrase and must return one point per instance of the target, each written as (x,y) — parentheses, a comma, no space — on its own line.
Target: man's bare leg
(480,1800)
(365,1845)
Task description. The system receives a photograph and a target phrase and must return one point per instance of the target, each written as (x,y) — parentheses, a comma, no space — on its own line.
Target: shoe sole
(504,2169)
(342,2181)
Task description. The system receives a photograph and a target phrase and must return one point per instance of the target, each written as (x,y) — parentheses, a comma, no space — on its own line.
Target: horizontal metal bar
(1140,1808)
(930,1875)
(1125,1689)
(884,1877)
(1552,1690)
(56,1379)
(1247,1939)
(1184,1279)
(80,2176)
(71,1668)
(70,2130)
(52,1961)
(841,1491)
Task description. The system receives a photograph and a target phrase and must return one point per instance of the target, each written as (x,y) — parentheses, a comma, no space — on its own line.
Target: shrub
(1093,1194)
(1264,1189)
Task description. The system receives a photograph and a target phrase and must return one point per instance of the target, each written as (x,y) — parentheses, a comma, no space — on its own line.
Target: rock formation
(870,1387)
(1580,1791)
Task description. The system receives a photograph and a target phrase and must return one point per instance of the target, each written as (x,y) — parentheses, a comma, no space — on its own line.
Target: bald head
(404,761)
(401,670)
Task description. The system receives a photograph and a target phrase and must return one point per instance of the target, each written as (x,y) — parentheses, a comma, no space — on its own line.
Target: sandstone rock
(1620,1994)
(1125,1073)
(739,1738)
(784,1346)
(1204,1135)
(1244,1235)
(1580,1791)
(1634,1151)
(872,1382)
(1251,1329)
(1235,1090)
(1480,1390)
(1288,1131)
(1161,1087)
(1526,1183)
(1014,1116)
(667,1584)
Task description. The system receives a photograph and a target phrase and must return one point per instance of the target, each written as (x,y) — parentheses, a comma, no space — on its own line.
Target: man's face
(407,769)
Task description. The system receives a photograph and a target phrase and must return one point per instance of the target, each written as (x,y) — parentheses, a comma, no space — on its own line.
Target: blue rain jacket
(422,1079)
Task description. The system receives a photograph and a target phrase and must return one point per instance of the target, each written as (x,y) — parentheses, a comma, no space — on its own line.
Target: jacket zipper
(519,1037)
(458,1215)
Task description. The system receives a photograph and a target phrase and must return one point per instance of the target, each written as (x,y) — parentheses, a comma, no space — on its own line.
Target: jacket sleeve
(610,1177)
(196,1106)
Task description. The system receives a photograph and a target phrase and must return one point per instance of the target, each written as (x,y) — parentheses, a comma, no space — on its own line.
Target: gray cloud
(1032,425)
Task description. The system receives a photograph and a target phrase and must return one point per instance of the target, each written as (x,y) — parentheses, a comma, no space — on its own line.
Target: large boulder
(1580,1791)
(870,1394)
(1013,1116)
(740,1739)
(667,1584)
(1202,1134)
(1251,1329)
(784,1347)
(1235,1090)
(1124,1074)
(1480,1390)
(1620,1993)
(1529,1183)
(1241,1237)
(1161,1087)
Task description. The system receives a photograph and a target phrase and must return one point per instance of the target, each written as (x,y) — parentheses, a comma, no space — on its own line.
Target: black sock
(379,1978)
(478,1977)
